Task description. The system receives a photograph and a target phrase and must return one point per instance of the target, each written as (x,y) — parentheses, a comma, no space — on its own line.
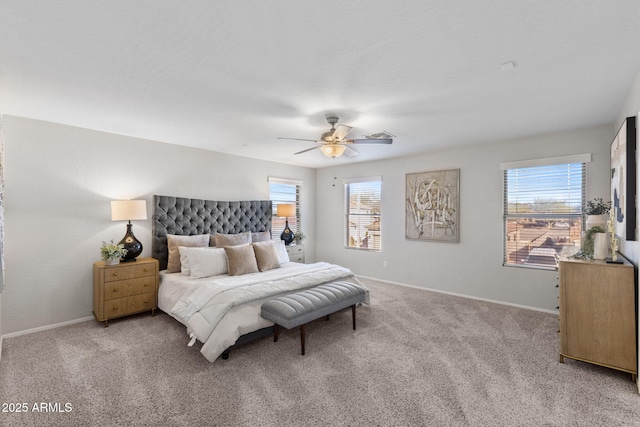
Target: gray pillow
(266,255)
(241,259)
(260,236)
(221,240)
(174,242)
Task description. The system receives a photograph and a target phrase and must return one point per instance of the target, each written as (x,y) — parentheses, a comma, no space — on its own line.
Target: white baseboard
(44,328)
(526,307)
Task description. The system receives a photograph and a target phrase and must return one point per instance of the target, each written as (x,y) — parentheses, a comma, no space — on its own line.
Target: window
(284,191)
(543,202)
(362,212)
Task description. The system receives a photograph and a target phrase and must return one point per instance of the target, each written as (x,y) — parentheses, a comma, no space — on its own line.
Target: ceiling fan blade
(340,132)
(369,141)
(350,152)
(308,149)
(297,139)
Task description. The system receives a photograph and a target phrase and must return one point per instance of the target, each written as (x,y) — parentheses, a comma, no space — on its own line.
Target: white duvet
(219,309)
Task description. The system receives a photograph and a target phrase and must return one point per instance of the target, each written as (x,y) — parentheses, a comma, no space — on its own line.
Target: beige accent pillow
(241,259)
(266,255)
(260,236)
(222,240)
(174,242)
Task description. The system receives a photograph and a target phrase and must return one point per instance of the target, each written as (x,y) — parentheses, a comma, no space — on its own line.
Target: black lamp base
(287,234)
(132,245)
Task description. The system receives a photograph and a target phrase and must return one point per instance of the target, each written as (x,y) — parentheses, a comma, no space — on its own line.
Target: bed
(210,289)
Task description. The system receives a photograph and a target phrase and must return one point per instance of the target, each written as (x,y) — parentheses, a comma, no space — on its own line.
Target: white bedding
(217,310)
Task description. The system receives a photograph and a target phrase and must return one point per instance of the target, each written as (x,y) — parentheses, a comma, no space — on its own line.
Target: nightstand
(296,253)
(124,289)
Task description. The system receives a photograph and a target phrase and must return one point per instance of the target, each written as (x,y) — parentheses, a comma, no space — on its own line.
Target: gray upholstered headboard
(178,215)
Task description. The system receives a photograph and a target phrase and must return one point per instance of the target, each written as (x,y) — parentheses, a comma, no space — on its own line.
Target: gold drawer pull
(115,289)
(146,269)
(146,301)
(115,274)
(115,307)
(146,284)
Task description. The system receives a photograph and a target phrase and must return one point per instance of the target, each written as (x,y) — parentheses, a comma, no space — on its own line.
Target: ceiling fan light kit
(333,150)
(334,144)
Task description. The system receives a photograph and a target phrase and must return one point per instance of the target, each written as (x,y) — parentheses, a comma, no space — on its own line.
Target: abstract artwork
(623,180)
(433,206)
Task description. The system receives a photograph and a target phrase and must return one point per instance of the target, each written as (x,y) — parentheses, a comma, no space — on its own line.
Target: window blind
(363,213)
(543,213)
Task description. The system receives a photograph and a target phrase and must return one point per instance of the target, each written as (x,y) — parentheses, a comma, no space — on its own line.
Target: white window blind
(363,213)
(283,190)
(543,212)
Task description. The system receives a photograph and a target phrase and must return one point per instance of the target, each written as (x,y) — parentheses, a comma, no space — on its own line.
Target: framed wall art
(433,206)
(623,180)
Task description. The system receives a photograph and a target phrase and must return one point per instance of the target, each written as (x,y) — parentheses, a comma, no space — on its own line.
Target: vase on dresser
(112,261)
(593,220)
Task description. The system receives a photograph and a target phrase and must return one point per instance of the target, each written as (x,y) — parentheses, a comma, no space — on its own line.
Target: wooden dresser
(598,313)
(124,289)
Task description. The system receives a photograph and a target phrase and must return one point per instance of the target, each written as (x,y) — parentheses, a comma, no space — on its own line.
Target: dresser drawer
(123,272)
(296,249)
(129,305)
(125,288)
(296,258)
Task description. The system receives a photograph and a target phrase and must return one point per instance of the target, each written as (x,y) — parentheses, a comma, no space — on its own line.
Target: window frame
(571,217)
(376,235)
(296,227)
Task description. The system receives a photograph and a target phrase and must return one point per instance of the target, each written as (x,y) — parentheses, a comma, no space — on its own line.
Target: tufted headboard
(178,215)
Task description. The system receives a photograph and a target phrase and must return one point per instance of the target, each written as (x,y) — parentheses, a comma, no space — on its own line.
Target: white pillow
(204,262)
(281,251)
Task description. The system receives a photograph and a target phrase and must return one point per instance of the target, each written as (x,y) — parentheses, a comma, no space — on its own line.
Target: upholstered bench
(300,308)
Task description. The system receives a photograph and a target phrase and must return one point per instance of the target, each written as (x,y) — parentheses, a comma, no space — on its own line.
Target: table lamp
(286,210)
(129,210)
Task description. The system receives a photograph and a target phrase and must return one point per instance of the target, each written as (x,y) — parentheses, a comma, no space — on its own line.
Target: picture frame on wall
(623,180)
(432,211)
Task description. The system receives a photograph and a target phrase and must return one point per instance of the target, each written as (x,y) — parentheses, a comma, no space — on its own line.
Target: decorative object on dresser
(296,253)
(598,314)
(286,210)
(111,253)
(124,289)
(129,210)
(623,180)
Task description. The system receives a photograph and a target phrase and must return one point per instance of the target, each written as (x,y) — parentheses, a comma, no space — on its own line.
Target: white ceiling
(232,76)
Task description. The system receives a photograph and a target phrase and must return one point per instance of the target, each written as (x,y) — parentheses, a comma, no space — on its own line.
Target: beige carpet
(417,359)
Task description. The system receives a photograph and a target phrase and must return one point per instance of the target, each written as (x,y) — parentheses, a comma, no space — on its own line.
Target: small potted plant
(298,237)
(597,211)
(111,252)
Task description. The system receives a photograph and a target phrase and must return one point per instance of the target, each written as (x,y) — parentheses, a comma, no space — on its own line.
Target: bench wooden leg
(276,330)
(302,336)
(353,315)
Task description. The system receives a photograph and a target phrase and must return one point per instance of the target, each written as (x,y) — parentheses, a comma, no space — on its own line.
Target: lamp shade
(128,210)
(286,210)
(333,150)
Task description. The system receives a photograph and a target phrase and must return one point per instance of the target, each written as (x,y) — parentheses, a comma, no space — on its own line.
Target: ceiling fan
(334,144)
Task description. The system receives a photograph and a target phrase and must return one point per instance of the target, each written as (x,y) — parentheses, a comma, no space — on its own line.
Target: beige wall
(474,266)
(59,182)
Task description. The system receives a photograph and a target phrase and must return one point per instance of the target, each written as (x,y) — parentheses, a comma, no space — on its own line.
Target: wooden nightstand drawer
(129,305)
(125,288)
(123,272)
